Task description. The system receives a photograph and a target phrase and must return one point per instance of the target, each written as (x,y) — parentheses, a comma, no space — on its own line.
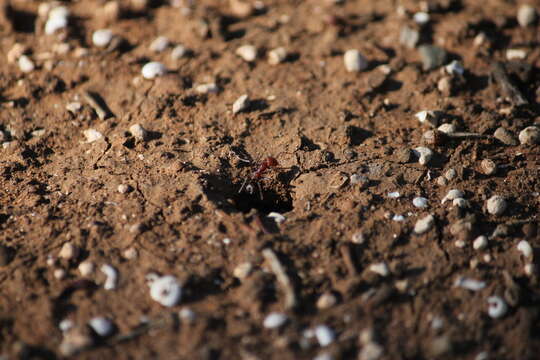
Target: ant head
(271,161)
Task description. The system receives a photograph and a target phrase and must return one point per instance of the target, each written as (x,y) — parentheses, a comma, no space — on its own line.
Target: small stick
(282,277)
(97,103)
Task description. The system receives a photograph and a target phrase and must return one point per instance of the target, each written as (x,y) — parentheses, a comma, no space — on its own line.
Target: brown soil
(323,125)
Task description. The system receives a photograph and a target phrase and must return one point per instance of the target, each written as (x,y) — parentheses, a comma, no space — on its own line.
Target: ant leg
(260,190)
(243,185)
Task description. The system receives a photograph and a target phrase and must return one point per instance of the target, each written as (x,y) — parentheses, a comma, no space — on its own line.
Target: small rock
(421,18)
(240,104)
(516,54)
(178,52)
(469,284)
(74,107)
(403,155)
(423,154)
(159,44)
(326,301)
(123,188)
(525,248)
(59,274)
(530,136)
(354,61)
(111,275)
(394,195)
(497,307)
(452,194)
(432,56)
(496,205)
(409,37)
(166,290)
(26,64)
(455,68)
(505,136)
(102,37)
(247,52)
(68,251)
(66,325)
(424,224)
(450,174)
(429,117)
(75,340)
(86,268)
(241,8)
(445,86)
(447,128)
(55,23)
(210,88)
(102,326)
(274,320)
(130,253)
(92,135)
(138,132)
(526,15)
(325,336)
(420,202)
(380,268)
(358,238)
(243,270)
(153,69)
(461,203)
(277,55)
(488,167)
(480,243)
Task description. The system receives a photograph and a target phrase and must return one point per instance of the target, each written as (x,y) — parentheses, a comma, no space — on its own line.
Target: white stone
(277,55)
(153,69)
(497,307)
(358,238)
(26,64)
(247,52)
(278,218)
(166,290)
(398,218)
(354,61)
(74,107)
(111,277)
(421,18)
(274,320)
(159,44)
(325,336)
(525,248)
(452,194)
(530,135)
(424,224)
(380,268)
(480,242)
(59,12)
(138,132)
(326,301)
(394,195)
(460,203)
(454,68)
(66,324)
(240,104)
(123,188)
(130,253)
(68,251)
(102,37)
(496,205)
(86,268)
(427,117)
(243,270)
(469,284)
(424,154)
(178,52)
(513,54)
(92,135)
(210,88)
(447,128)
(55,23)
(420,202)
(526,15)
(59,274)
(101,325)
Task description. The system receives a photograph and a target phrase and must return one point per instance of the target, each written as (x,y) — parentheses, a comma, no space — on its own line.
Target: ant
(267,163)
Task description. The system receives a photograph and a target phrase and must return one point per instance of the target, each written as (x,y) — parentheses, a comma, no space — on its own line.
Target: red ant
(267,163)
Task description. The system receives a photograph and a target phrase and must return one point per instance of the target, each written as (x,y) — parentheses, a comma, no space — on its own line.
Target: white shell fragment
(247,52)
(178,52)
(210,88)
(240,104)
(278,218)
(497,307)
(424,154)
(153,69)
(274,320)
(424,224)
(420,202)
(92,135)
(111,279)
(325,336)
(480,242)
(526,15)
(354,61)
(469,284)
(380,268)
(452,195)
(26,64)
(496,205)
(166,290)
(530,135)
(277,55)
(101,325)
(525,248)
(102,37)
(160,44)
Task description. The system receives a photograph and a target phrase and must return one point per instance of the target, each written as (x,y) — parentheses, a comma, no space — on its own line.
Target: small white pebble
(26,64)
(496,205)
(526,15)
(102,37)
(159,44)
(513,54)
(529,269)
(325,336)
(454,68)
(240,104)
(525,248)
(497,307)
(123,188)
(277,55)
(420,202)
(59,12)
(54,24)
(469,284)
(166,290)
(358,238)
(101,325)
(153,69)
(484,355)
(92,135)
(66,324)
(138,132)
(452,194)
(111,277)
(394,195)
(421,18)
(130,253)
(447,128)
(424,154)
(427,117)
(424,224)
(68,251)
(460,203)
(210,88)
(16,51)
(380,268)
(243,270)
(74,107)
(86,268)
(59,274)
(480,242)
(247,52)
(398,218)
(178,52)
(278,218)
(354,61)
(459,244)
(187,315)
(450,174)
(274,320)
(51,260)
(226,241)
(326,301)
(530,135)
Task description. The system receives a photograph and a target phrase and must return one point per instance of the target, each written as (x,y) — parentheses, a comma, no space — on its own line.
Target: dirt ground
(350,266)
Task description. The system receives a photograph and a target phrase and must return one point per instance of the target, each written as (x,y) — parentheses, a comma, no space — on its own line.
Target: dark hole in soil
(271,201)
